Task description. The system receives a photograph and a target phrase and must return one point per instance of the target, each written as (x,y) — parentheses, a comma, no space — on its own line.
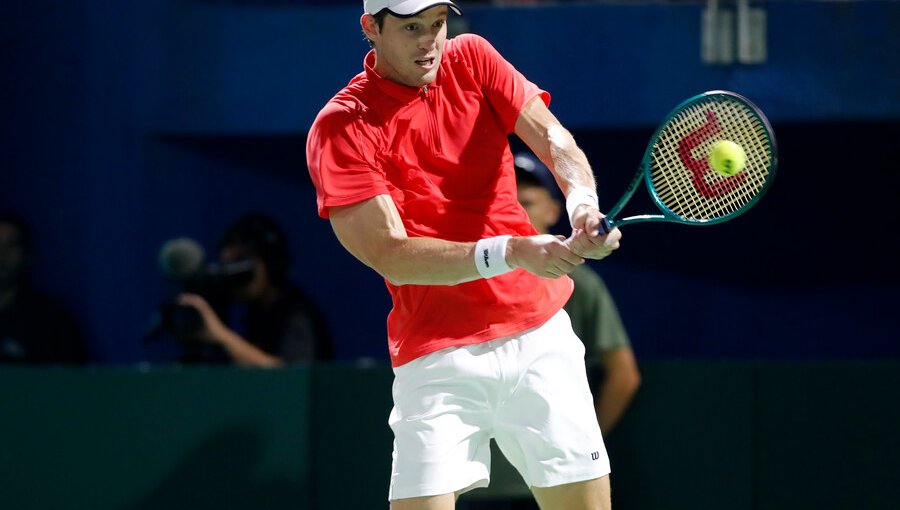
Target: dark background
(127,124)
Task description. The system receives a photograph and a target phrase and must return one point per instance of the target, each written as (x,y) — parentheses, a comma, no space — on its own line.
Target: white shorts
(528,391)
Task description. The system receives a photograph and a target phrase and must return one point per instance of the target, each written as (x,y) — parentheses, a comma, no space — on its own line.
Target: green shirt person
(594,315)
(595,319)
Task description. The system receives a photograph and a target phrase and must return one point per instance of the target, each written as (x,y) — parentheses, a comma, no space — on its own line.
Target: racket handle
(604,227)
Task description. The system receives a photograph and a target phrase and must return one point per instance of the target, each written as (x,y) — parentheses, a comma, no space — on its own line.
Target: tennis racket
(676,168)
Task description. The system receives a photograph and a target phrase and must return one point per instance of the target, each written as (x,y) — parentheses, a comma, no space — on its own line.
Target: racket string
(681,177)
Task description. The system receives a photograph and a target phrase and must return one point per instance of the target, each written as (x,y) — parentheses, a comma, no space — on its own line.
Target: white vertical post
(717,34)
(751,33)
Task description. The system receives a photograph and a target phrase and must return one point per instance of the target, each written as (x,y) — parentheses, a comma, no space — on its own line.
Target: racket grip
(604,227)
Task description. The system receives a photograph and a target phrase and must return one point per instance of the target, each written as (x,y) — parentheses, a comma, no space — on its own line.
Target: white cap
(405,8)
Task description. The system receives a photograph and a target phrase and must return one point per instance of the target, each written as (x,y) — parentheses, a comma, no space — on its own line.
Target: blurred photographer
(275,322)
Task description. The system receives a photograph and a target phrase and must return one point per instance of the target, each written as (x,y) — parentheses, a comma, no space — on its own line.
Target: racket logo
(700,167)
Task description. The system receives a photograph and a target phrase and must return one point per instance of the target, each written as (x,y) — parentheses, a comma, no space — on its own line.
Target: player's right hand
(544,255)
(595,246)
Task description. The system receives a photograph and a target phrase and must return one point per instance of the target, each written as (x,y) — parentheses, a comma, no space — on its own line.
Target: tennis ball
(727,158)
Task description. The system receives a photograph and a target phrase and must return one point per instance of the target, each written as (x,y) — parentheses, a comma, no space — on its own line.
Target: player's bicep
(369,229)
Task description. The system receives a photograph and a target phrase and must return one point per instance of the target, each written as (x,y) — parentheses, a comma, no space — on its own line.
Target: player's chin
(427,78)
(429,74)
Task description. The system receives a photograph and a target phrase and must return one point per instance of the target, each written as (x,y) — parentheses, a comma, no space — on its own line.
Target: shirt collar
(400,92)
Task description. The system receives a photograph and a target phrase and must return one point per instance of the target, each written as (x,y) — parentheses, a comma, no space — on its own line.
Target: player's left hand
(594,246)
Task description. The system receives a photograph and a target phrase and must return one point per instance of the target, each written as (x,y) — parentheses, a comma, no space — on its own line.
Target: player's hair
(261,236)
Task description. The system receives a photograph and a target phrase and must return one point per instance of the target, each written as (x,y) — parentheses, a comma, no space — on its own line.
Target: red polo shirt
(441,152)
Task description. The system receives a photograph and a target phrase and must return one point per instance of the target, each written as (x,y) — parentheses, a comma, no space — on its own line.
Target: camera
(181,261)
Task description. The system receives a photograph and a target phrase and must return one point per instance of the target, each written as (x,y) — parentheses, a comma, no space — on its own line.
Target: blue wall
(237,69)
(126,125)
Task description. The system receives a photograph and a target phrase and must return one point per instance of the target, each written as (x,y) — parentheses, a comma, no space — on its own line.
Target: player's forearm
(555,146)
(425,261)
(373,232)
(567,161)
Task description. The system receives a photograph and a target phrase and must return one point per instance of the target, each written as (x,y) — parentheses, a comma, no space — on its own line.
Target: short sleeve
(612,333)
(340,163)
(506,89)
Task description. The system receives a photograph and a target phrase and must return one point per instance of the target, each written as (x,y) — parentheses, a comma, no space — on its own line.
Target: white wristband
(580,196)
(490,256)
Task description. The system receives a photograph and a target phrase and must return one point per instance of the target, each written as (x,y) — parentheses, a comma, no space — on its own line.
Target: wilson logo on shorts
(595,455)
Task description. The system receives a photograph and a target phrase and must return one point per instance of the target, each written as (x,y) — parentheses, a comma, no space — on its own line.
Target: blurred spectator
(611,365)
(593,312)
(34,327)
(272,320)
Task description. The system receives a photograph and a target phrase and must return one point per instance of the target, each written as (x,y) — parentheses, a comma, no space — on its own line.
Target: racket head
(676,169)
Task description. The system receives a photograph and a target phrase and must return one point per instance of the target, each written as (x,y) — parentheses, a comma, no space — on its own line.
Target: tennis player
(413,168)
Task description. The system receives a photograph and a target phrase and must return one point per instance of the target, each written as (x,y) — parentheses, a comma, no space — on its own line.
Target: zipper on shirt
(428,99)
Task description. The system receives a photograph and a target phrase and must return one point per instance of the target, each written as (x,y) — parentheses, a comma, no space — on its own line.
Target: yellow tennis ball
(727,158)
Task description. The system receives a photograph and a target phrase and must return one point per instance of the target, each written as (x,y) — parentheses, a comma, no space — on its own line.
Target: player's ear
(369,26)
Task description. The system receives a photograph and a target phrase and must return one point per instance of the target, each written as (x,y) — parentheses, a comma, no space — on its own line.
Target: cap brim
(413,7)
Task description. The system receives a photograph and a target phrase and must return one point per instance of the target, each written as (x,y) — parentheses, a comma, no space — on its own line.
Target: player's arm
(554,145)
(373,232)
